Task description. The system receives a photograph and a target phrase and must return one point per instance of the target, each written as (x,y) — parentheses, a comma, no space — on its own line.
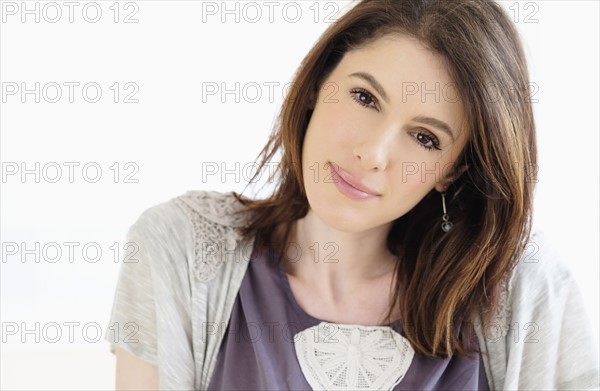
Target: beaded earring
(446,223)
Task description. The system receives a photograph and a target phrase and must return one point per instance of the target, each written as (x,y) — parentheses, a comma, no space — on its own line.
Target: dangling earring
(446,223)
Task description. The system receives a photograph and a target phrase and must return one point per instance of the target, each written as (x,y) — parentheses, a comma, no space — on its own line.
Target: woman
(392,254)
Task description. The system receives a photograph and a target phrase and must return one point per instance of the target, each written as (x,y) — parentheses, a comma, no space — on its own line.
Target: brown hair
(449,275)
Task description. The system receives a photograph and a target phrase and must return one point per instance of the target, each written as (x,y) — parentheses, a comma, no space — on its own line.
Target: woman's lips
(350,186)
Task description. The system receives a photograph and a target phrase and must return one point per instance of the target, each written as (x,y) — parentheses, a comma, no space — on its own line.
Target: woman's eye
(364,98)
(427,141)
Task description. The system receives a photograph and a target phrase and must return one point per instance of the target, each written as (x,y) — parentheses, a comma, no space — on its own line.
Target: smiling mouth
(350,186)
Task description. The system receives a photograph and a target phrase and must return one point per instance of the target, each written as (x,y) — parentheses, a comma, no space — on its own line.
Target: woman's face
(388,116)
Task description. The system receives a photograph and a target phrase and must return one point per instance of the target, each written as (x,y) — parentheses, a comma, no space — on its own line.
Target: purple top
(258,350)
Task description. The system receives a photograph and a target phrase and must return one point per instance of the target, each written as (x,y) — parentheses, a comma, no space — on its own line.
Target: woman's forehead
(401,58)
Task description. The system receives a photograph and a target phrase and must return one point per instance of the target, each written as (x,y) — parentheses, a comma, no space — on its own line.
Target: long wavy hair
(445,275)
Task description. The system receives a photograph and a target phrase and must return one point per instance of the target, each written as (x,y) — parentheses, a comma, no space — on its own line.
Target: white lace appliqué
(352,357)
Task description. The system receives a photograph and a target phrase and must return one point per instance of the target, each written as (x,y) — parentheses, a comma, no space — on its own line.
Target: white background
(173,50)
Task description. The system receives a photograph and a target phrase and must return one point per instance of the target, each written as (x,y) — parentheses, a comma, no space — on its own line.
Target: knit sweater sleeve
(151,313)
(548,341)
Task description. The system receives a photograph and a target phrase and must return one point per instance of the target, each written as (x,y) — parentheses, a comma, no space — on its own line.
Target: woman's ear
(442,185)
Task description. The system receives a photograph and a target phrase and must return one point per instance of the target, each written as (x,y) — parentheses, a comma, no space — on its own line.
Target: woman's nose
(373,151)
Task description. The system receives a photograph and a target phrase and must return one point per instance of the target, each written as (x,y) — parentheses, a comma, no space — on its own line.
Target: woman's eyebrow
(374,83)
(441,125)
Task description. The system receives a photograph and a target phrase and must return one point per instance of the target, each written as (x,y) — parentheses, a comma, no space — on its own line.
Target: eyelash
(432,138)
(355,91)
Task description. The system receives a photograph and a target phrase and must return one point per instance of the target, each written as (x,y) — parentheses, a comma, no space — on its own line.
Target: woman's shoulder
(200,208)
(542,314)
(539,276)
(200,224)
(541,270)
(218,207)
(539,280)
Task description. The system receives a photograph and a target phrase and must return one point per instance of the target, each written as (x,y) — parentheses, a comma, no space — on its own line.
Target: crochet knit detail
(352,357)
(215,206)
(215,239)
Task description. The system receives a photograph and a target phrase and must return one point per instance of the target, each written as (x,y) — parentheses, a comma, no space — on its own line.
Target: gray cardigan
(175,294)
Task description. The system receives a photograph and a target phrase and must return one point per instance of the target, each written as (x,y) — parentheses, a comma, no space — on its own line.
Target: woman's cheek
(414,174)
